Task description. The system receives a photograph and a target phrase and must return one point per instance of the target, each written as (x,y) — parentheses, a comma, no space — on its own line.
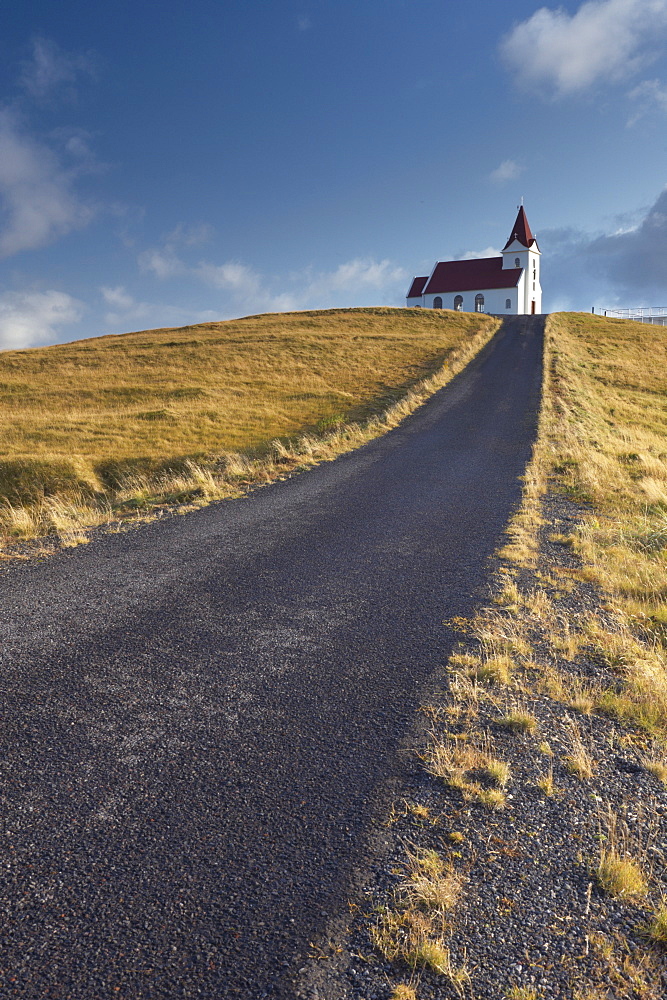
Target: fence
(656,315)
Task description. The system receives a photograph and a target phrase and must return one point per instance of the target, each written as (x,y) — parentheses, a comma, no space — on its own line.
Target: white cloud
(624,267)
(649,95)
(189,236)
(30,318)
(50,69)
(304,23)
(37,200)
(355,275)
(233,276)
(162,263)
(604,40)
(117,297)
(508,170)
(476,255)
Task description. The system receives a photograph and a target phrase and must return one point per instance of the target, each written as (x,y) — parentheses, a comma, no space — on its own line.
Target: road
(202,717)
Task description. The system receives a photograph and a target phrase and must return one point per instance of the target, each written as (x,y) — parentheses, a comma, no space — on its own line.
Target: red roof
(417,287)
(521,231)
(470,276)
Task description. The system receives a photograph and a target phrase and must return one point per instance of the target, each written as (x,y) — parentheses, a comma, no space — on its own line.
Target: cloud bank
(604,41)
(625,268)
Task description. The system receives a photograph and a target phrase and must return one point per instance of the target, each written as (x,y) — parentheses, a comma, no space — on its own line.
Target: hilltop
(117,423)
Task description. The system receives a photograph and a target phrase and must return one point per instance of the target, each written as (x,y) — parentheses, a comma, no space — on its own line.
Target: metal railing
(641,314)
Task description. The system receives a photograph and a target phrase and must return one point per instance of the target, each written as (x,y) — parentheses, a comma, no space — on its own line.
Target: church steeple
(521,231)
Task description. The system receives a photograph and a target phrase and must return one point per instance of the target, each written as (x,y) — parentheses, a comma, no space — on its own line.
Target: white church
(507,285)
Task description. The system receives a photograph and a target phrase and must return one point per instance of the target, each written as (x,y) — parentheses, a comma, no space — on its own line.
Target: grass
(518,721)
(416,928)
(494,670)
(657,767)
(546,783)
(114,423)
(403,991)
(579,761)
(619,871)
(469,767)
(604,439)
(656,929)
(620,876)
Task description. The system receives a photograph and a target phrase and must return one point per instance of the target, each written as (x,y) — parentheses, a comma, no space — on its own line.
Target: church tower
(521,250)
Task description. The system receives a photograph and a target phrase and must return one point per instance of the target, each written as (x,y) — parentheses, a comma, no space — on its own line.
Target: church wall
(494,300)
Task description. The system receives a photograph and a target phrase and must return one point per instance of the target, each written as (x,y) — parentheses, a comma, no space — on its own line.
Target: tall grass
(117,424)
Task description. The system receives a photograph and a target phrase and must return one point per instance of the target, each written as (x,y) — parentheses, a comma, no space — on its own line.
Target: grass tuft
(546,783)
(656,929)
(620,877)
(403,991)
(619,871)
(518,722)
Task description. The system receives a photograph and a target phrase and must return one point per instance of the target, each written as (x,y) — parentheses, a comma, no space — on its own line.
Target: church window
(458,302)
(517,262)
(479,303)
(508,303)
(437,302)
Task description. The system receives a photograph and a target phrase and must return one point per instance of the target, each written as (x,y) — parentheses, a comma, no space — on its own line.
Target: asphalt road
(200,717)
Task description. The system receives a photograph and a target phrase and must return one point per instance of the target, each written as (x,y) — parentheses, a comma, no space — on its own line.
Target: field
(111,423)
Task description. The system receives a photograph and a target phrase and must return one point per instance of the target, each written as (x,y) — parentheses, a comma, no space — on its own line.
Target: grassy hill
(107,424)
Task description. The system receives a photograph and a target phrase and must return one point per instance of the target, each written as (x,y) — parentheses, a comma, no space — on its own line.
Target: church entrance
(532,308)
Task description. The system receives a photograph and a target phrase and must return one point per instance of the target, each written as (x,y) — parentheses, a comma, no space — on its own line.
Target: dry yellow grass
(415,930)
(604,436)
(170,413)
(468,767)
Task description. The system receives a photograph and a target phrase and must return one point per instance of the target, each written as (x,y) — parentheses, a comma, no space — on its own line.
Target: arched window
(517,262)
(458,302)
(508,303)
(437,302)
(479,303)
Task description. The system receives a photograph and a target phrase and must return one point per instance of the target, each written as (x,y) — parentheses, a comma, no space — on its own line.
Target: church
(508,285)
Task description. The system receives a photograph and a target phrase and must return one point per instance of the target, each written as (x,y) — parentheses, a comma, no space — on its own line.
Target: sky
(167,163)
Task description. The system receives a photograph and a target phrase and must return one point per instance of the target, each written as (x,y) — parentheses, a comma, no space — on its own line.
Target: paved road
(199,717)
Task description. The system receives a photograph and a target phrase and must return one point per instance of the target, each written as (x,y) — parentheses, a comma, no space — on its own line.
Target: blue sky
(168,163)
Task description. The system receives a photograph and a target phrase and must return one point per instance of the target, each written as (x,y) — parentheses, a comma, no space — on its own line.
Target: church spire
(521,231)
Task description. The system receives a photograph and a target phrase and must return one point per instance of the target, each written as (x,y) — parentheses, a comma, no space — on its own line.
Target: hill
(106,425)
